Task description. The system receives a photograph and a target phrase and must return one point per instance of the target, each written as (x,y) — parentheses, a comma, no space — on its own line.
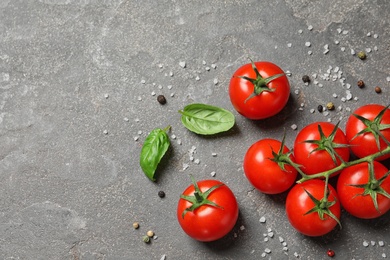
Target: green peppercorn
(146,239)
(330,106)
(362,55)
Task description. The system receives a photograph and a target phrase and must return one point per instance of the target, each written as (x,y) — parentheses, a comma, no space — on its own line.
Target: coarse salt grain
(262,220)
(289,45)
(310,27)
(381,243)
(182,64)
(267,250)
(213,173)
(307,44)
(294,127)
(365,243)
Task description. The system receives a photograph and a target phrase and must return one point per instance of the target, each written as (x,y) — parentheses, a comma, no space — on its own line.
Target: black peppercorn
(161,194)
(378,90)
(320,108)
(161,99)
(306,79)
(360,83)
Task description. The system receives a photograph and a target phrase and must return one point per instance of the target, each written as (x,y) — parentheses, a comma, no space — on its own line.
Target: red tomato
(265,174)
(299,203)
(265,104)
(352,198)
(364,144)
(315,161)
(208,222)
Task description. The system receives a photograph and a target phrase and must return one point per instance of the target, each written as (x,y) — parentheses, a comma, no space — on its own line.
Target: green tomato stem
(343,165)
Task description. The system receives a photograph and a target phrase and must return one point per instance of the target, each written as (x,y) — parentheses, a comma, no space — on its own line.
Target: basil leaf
(206,119)
(155,146)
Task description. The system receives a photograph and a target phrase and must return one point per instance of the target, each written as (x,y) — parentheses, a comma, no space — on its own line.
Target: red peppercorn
(331,253)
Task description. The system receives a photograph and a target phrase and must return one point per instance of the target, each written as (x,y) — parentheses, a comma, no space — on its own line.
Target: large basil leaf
(155,146)
(206,119)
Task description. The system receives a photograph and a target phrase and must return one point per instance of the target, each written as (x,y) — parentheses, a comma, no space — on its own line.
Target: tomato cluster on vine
(321,151)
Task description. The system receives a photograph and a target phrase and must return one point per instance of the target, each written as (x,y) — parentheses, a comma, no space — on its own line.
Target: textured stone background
(77,79)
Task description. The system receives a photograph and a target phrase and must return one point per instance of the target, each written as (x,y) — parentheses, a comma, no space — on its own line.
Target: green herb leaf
(154,148)
(206,119)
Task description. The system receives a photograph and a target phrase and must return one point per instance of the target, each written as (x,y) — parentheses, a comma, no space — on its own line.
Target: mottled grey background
(78,87)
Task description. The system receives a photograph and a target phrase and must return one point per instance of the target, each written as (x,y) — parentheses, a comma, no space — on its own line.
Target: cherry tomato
(351,196)
(365,144)
(265,104)
(265,174)
(207,222)
(314,157)
(299,204)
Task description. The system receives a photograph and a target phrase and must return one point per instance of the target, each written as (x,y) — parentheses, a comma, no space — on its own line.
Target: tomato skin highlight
(208,223)
(318,161)
(365,144)
(265,174)
(298,203)
(350,197)
(266,104)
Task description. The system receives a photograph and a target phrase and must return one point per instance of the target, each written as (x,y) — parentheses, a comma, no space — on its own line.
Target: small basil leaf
(155,146)
(206,119)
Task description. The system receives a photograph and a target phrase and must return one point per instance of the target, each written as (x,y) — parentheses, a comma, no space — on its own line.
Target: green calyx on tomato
(260,83)
(199,198)
(283,159)
(375,127)
(322,206)
(373,186)
(328,144)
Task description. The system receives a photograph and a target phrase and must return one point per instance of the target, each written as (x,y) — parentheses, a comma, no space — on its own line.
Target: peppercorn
(161,99)
(146,239)
(135,225)
(306,79)
(161,194)
(150,233)
(320,108)
(362,55)
(378,89)
(330,106)
(360,84)
(330,253)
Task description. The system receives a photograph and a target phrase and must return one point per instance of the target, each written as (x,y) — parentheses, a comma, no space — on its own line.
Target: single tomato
(266,174)
(316,215)
(207,210)
(358,194)
(259,90)
(362,130)
(319,146)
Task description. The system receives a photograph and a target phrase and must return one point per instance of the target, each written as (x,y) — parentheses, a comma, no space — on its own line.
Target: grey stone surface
(78,87)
